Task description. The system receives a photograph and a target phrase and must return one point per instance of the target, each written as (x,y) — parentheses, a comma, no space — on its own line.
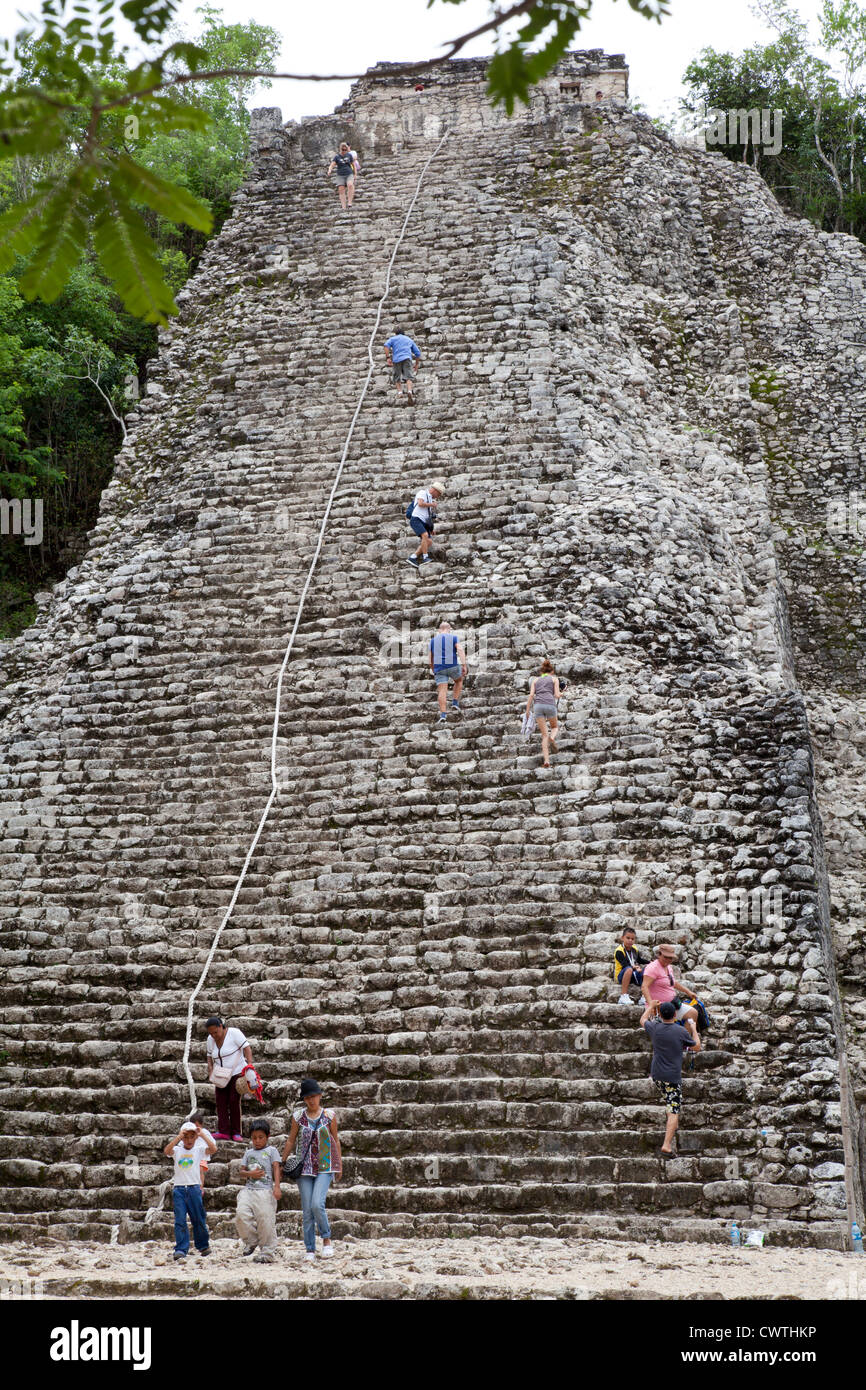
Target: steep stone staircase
(429,920)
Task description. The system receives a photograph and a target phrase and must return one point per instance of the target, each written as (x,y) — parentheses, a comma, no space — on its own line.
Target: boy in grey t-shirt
(256,1217)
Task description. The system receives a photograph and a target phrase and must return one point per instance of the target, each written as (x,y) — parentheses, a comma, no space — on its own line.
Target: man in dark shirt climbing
(670,1040)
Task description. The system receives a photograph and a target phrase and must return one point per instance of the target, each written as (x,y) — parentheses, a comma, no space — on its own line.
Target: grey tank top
(544,691)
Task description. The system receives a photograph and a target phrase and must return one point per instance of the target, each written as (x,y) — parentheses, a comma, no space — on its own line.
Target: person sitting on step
(343,165)
(401,354)
(448,663)
(660,987)
(421,515)
(626,965)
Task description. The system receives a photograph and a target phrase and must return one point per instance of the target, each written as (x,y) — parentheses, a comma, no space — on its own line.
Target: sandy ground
(484,1268)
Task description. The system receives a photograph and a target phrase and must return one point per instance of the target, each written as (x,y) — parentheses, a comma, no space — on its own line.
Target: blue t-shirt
(402,347)
(444,649)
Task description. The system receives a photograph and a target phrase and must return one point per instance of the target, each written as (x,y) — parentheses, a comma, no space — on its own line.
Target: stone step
(101,1225)
(468,1200)
(124,1144)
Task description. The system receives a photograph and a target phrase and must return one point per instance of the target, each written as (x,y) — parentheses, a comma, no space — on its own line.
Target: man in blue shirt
(400,353)
(448,663)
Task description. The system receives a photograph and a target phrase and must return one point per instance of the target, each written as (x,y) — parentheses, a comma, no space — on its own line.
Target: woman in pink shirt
(659,985)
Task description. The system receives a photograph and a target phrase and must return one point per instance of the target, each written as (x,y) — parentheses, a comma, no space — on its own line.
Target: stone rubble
(433,1270)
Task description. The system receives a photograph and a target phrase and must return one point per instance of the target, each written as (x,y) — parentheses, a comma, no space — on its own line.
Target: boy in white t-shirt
(188,1148)
(197,1118)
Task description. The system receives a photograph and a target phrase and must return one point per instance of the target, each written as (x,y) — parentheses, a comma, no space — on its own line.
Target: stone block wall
(429,919)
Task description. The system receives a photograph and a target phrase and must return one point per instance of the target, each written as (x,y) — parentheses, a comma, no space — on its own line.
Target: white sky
(351,35)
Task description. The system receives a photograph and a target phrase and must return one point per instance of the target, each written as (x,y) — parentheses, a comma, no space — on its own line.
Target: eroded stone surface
(429,920)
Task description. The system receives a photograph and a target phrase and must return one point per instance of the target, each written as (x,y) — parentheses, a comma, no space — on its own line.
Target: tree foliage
(818,172)
(70,364)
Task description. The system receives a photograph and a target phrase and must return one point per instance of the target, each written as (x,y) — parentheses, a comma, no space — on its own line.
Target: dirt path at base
(434,1269)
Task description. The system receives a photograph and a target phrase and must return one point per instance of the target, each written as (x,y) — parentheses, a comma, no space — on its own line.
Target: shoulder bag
(220,1075)
(297,1169)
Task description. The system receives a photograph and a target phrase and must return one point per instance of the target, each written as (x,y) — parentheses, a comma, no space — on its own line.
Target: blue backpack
(410,509)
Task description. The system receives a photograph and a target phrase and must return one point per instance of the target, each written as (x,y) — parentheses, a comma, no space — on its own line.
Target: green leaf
(166,115)
(61,240)
(539,64)
(29,126)
(168,199)
(20,226)
(128,257)
(508,78)
(149,18)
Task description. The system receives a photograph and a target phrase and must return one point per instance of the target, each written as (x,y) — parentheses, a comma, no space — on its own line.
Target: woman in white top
(227,1047)
(544,693)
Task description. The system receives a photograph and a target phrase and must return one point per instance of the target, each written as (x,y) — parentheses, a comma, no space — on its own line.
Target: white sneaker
(310,1255)
(624,999)
(327,1250)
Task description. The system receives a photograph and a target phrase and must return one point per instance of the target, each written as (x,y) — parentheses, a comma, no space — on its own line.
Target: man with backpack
(401,354)
(421,514)
(448,663)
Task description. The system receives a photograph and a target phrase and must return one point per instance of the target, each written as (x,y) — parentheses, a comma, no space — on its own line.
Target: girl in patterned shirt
(314,1138)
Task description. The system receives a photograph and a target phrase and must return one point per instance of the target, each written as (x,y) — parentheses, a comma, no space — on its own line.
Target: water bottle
(856,1238)
(735,1235)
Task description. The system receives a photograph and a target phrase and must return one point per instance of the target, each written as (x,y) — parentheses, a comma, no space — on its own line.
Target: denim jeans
(188,1203)
(314,1192)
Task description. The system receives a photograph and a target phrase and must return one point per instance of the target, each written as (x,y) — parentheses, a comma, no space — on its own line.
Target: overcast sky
(345,36)
(351,35)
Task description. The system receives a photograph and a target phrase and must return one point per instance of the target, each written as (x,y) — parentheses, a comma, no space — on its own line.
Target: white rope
(298,615)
